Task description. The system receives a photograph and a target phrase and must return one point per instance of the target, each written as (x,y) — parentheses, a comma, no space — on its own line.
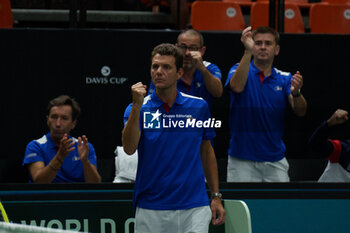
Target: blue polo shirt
(170,175)
(256,117)
(44,149)
(197,87)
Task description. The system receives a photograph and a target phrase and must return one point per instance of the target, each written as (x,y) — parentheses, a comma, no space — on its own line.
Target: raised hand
(197,59)
(338,117)
(83,148)
(66,146)
(297,83)
(247,38)
(138,91)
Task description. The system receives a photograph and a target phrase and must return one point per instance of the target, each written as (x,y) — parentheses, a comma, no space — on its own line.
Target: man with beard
(259,96)
(57,157)
(200,78)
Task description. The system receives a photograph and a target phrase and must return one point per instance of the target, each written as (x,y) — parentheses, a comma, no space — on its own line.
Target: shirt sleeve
(127,113)
(230,73)
(32,154)
(214,70)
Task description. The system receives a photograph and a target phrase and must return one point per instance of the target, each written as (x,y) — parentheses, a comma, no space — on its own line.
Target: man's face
(163,71)
(60,121)
(189,43)
(265,47)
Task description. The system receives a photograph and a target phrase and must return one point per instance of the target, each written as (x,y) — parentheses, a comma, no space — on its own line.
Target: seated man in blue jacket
(57,157)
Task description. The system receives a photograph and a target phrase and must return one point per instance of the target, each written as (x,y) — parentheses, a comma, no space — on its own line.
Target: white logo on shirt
(278,88)
(31,155)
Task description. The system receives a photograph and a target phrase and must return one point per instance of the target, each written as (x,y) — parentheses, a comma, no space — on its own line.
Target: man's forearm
(90,173)
(44,174)
(240,77)
(212,174)
(299,106)
(210,167)
(131,132)
(212,83)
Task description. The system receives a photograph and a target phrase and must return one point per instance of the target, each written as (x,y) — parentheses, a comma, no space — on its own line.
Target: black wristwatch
(213,195)
(296,95)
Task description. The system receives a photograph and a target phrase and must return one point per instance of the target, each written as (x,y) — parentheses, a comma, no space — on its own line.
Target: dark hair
(170,50)
(192,32)
(65,100)
(265,29)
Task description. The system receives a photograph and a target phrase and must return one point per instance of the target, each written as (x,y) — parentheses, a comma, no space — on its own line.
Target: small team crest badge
(278,88)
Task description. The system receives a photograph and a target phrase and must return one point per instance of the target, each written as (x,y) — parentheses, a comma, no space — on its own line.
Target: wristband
(219,195)
(297,95)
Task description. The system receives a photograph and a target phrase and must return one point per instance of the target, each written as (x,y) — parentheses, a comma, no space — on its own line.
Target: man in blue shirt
(58,157)
(259,95)
(171,132)
(200,78)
